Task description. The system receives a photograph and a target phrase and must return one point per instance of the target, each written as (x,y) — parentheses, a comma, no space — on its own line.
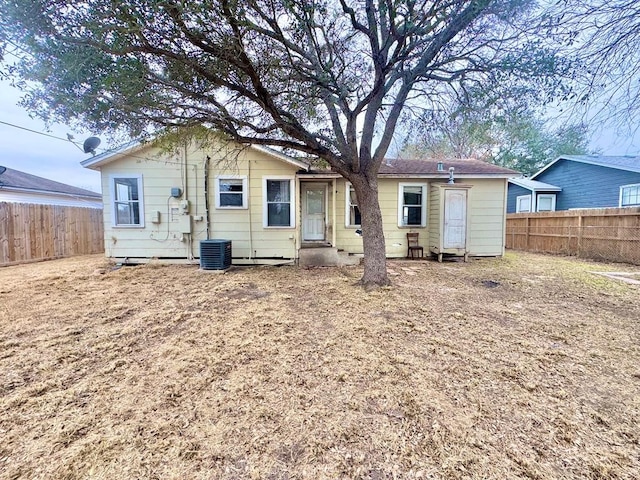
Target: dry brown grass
(525,367)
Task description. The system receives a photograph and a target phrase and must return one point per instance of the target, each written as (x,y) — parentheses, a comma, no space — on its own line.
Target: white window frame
(519,198)
(245,192)
(347,204)
(551,196)
(631,185)
(292,202)
(112,190)
(423,213)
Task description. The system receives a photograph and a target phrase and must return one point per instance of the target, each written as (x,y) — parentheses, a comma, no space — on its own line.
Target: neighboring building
(274,208)
(578,181)
(526,195)
(20,187)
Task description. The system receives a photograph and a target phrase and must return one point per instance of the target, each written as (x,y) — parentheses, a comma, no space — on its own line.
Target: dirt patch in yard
(522,367)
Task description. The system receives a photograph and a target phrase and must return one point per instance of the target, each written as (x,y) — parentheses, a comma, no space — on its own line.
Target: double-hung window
(279,205)
(412,205)
(630,195)
(352,212)
(546,202)
(231,192)
(127,201)
(523,203)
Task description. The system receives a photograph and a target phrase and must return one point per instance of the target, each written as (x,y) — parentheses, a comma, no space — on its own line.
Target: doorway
(314,212)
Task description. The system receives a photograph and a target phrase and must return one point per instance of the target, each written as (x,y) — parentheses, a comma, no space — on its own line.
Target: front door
(313,211)
(455,218)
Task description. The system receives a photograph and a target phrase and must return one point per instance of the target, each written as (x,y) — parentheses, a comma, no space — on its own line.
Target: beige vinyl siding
(395,237)
(486,213)
(159,174)
(433,217)
(244,227)
(487,216)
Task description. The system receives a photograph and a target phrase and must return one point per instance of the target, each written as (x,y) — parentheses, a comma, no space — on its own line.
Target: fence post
(579,235)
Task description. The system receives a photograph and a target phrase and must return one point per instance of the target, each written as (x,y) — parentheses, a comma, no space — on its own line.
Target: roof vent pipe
(451,175)
(440,167)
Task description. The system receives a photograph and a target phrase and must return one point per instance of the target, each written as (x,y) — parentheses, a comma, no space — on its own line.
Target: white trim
(552,196)
(637,185)
(112,199)
(423,213)
(245,192)
(540,186)
(135,145)
(292,201)
(518,199)
(347,205)
(280,156)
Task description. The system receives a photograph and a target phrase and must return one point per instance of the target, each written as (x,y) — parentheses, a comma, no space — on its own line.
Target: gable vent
(215,254)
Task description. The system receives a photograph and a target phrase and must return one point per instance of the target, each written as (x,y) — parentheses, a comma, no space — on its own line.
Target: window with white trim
(630,195)
(278,201)
(231,192)
(523,204)
(352,211)
(412,205)
(546,202)
(127,201)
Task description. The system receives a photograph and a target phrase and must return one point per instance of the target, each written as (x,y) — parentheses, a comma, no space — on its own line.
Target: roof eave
(280,156)
(94,163)
(570,158)
(445,177)
(97,197)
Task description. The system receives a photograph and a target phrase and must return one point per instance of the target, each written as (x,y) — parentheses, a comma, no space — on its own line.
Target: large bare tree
(603,36)
(328,78)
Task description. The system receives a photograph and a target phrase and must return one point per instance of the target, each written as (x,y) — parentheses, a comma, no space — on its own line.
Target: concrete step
(326,257)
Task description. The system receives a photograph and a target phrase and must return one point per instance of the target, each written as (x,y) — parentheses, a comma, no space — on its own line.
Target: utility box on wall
(184,223)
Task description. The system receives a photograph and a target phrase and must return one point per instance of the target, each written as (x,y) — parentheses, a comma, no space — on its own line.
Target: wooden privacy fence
(611,234)
(30,232)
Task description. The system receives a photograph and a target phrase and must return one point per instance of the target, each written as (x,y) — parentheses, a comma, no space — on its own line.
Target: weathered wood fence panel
(30,232)
(611,234)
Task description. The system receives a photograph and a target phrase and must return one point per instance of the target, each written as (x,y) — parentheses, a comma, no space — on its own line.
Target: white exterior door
(313,211)
(455,219)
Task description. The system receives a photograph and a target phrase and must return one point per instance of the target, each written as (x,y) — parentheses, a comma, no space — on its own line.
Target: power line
(104,150)
(39,133)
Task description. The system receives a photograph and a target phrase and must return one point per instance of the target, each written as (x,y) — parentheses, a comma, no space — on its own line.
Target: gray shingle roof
(24,181)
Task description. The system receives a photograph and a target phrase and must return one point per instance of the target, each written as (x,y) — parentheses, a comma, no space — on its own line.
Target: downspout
(250,221)
(186,197)
(206,195)
(334,219)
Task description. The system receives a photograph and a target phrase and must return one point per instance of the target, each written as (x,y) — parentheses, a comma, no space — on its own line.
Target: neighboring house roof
(429,168)
(20,181)
(534,185)
(628,163)
(131,147)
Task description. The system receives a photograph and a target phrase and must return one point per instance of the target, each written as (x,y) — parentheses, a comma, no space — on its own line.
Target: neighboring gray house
(20,187)
(578,181)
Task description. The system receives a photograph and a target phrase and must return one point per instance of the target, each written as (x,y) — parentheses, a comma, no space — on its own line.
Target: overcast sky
(52,158)
(58,159)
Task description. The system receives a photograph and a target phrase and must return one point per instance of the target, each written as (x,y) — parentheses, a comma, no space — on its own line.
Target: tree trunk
(375,258)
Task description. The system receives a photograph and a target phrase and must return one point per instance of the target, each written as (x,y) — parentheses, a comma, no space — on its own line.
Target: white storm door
(313,211)
(455,219)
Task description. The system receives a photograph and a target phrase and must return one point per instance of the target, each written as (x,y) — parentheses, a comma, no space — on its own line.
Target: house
(276,209)
(21,187)
(578,181)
